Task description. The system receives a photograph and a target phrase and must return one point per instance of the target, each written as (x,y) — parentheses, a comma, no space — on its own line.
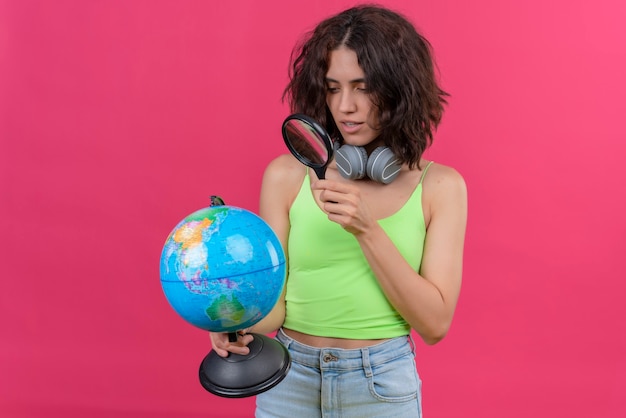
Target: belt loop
(412,342)
(367,367)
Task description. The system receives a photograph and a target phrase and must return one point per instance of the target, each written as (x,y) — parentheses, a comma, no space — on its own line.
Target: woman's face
(347,97)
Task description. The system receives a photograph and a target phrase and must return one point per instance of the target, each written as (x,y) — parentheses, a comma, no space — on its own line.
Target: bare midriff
(329,342)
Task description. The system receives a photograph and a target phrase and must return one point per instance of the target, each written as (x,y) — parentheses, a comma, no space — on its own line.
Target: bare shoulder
(285,170)
(285,164)
(283,178)
(444,191)
(443,179)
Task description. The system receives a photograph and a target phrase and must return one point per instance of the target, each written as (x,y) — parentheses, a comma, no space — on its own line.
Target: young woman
(369,258)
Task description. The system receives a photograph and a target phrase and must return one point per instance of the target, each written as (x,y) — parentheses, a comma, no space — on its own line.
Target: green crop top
(331,289)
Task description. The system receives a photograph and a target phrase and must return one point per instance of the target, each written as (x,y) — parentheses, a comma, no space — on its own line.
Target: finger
(240,348)
(237,348)
(220,352)
(318,184)
(327,185)
(247,339)
(243,339)
(241,345)
(337,186)
(331,196)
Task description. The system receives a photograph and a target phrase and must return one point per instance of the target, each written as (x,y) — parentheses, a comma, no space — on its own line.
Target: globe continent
(222,269)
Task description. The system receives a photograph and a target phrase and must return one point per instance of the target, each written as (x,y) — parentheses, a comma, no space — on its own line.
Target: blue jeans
(376,381)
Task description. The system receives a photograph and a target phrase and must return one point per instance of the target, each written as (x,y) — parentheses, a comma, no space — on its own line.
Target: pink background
(119,118)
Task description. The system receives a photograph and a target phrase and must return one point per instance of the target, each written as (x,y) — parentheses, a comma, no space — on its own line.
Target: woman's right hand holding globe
(223,346)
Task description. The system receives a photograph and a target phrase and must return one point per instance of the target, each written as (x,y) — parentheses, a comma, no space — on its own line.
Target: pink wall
(118,118)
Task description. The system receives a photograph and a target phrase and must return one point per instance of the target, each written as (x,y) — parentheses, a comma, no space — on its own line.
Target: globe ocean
(222,269)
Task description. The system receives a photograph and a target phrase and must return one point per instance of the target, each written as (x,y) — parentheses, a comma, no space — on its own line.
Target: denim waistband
(347,359)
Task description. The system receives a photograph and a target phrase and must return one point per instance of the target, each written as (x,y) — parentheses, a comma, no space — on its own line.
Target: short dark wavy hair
(399,72)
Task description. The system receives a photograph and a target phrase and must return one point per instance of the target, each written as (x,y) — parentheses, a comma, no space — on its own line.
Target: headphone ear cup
(351,161)
(383,166)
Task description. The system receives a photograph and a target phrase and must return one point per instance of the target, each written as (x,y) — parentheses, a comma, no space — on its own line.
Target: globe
(222,268)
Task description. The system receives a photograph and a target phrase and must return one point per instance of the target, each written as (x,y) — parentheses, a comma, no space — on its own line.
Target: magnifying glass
(308,142)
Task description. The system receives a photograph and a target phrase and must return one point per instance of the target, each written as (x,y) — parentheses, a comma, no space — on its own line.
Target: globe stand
(240,376)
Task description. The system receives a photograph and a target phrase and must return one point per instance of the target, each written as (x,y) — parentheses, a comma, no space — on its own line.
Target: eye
(332,89)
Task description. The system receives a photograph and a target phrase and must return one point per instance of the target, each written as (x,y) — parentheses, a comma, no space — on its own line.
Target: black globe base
(238,376)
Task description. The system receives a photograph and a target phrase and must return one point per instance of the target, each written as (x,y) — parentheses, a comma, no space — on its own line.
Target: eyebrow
(355,81)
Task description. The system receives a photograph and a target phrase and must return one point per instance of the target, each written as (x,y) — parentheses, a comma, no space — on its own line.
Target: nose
(347,104)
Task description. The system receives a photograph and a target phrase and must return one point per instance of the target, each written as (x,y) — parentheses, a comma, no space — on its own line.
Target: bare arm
(281,183)
(427,299)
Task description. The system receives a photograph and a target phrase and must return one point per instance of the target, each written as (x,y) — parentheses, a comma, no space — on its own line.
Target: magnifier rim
(318,130)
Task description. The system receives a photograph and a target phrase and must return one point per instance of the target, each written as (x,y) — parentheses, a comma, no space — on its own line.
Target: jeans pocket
(396,380)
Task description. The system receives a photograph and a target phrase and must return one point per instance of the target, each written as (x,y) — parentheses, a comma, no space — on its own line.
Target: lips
(350,127)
